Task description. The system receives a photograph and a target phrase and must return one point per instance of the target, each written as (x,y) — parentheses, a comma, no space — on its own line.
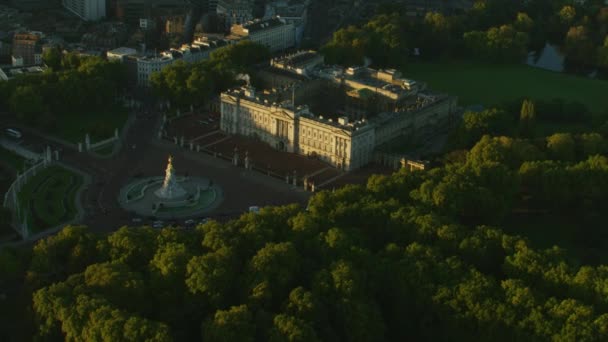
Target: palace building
(341,137)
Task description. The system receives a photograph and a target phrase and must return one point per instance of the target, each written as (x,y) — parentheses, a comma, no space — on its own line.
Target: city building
(5,51)
(235,11)
(293,12)
(27,47)
(129,11)
(146,66)
(87,10)
(301,62)
(12,72)
(175,24)
(141,68)
(120,54)
(285,119)
(35,5)
(275,33)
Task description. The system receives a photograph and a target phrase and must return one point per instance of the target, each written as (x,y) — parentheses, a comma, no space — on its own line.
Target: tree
(578,45)
(592,144)
(242,55)
(523,22)
(132,246)
(561,146)
(212,274)
(503,150)
(527,118)
(70,60)
(602,54)
(567,14)
(277,264)
(476,124)
(69,251)
(27,103)
(235,324)
(117,283)
(347,47)
(498,44)
(170,261)
(52,58)
(291,329)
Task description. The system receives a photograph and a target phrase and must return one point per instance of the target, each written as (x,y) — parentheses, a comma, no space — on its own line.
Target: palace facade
(345,142)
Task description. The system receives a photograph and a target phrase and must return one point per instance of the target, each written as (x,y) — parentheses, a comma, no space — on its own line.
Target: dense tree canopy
(416,255)
(413,255)
(186,84)
(496,31)
(75,85)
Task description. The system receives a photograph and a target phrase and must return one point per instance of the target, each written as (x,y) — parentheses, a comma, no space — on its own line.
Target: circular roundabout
(171,196)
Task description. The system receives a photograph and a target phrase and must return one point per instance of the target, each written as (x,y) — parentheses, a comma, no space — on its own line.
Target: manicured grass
(494,84)
(11,159)
(49,198)
(100,125)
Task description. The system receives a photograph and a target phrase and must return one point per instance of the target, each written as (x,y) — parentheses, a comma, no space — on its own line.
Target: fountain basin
(198,198)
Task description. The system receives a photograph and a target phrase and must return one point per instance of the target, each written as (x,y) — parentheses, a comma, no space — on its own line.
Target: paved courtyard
(143,155)
(194,126)
(263,158)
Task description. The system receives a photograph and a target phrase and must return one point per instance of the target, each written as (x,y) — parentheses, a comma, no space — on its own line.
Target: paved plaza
(142,155)
(263,158)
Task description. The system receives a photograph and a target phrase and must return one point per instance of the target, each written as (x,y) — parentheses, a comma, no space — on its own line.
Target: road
(142,154)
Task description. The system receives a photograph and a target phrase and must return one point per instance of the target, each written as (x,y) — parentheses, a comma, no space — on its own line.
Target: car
(13,133)
(189,222)
(254,209)
(158,225)
(205,220)
(136,220)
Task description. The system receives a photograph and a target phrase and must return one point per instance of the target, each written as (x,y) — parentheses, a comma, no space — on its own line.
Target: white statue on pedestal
(170,188)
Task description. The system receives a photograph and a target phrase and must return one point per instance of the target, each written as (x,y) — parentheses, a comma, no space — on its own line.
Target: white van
(13,133)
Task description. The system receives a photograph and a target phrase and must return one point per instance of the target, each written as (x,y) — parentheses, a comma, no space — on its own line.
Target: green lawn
(100,125)
(11,159)
(49,198)
(493,84)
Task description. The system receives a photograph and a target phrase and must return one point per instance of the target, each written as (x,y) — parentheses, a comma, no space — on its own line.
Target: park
(494,84)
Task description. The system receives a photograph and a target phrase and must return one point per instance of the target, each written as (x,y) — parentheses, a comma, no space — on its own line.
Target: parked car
(254,209)
(136,220)
(189,222)
(158,224)
(13,133)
